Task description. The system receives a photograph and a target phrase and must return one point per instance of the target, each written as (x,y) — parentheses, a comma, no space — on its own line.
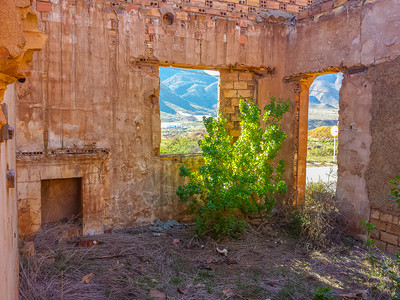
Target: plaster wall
(96,86)
(8,211)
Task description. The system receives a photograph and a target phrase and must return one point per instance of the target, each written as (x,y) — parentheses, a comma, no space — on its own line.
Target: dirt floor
(138,263)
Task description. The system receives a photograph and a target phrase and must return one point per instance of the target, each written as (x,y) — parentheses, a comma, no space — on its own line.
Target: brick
(392,249)
(229,110)
(391,228)
(292,8)
(231,76)
(240,85)
(245,76)
(395,220)
(235,118)
(150,30)
(272,5)
(235,102)
(375,213)
(378,224)
(389,238)
(181,15)
(375,234)
(227,85)
(198,2)
(230,93)
(302,15)
(381,245)
(386,217)
(232,1)
(153,12)
(244,93)
(229,125)
(302,2)
(243,39)
(253,2)
(43,6)
(220,5)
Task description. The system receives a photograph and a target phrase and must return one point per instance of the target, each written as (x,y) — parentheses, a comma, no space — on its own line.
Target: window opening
(323,116)
(186,96)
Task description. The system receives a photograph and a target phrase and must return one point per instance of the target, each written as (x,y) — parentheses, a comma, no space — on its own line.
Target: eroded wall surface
(358,39)
(96,86)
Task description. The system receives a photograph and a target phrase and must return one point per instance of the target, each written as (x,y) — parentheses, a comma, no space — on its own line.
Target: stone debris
(162,226)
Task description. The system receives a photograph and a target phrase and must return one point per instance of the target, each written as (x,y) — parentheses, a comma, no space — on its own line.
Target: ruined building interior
(79,87)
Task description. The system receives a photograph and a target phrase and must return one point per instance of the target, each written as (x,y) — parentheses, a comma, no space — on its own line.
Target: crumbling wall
(95,86)
(352,38)
(384,158)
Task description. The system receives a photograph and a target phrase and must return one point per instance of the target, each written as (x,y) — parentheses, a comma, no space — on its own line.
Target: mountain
(187,95)
(324,100)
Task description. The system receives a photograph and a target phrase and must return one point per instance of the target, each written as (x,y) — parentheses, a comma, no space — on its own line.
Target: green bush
(239,177)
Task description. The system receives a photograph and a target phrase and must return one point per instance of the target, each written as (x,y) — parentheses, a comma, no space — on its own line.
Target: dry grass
(128,263)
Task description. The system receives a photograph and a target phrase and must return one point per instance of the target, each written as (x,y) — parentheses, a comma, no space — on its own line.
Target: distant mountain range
(188,95)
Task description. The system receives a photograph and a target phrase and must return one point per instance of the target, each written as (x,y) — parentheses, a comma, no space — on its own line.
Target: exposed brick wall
(387,230)
(234,85)
(314,7)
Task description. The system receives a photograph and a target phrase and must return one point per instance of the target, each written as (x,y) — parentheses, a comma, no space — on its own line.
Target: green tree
(239,177)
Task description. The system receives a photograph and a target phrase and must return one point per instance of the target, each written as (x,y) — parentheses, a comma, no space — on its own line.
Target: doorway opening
(323,117)
(186,96)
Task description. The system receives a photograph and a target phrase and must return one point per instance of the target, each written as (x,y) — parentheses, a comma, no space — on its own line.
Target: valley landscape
(186,96)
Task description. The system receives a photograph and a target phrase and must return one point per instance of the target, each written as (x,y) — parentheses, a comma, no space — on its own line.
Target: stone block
(389,238)
(386,217)
(244,93)
(240,85)
(226,85)
(247,76)
(375,213)
(392,228)
(378,224)
(392,249)
(230,93)
(43,6)
(235,102)
(231,76)
(375,234)
(229,110)
(381,245)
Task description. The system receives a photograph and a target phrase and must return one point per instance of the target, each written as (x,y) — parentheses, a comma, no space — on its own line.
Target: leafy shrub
(238,177)
(317,219)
